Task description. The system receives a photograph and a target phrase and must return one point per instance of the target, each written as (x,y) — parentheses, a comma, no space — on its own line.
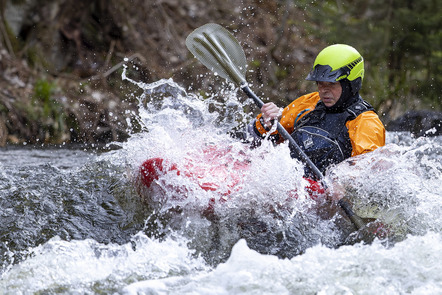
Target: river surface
(77,221)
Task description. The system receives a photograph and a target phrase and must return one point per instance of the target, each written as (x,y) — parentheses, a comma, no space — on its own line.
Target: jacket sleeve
(290,114)
(366,132)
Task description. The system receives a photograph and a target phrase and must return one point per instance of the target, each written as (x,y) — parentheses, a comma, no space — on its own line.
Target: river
(72,220)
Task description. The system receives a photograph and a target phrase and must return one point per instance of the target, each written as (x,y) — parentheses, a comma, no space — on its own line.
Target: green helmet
(338,62)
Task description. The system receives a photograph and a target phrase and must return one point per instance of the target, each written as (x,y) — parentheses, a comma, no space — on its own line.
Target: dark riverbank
(61,64)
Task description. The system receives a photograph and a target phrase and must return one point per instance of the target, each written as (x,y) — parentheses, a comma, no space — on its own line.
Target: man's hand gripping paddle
(220,52)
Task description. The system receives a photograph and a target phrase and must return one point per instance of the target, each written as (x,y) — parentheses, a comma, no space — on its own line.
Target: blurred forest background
(61,60)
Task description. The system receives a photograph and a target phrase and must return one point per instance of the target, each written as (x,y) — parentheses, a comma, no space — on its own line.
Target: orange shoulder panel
(366,132)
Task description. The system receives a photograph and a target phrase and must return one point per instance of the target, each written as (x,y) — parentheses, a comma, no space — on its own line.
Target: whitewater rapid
(73,222)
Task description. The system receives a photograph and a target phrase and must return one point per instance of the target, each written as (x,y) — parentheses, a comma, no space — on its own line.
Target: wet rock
(419,123)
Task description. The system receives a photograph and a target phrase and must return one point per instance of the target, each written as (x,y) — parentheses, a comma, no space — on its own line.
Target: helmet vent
(354,63)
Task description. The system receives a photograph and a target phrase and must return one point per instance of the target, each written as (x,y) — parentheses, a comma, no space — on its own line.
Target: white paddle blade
(219,51)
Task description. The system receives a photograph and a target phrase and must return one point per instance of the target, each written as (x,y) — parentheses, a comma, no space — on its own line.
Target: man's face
(329,92)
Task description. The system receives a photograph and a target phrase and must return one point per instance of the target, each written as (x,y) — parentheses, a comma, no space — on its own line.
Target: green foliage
(47,111)
(43,91)
(255,63)
(399,39)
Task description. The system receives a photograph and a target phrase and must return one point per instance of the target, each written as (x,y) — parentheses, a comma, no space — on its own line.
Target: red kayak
(212,176)
(219,171)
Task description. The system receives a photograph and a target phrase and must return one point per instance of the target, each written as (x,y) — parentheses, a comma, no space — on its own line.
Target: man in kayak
(332,124)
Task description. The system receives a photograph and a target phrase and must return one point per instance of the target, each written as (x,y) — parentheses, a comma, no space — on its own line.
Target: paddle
(219,51)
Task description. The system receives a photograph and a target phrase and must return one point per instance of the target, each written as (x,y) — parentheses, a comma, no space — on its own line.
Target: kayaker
(334,123)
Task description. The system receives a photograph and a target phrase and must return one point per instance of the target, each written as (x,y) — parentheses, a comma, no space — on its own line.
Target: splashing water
(78,222)
(250,191)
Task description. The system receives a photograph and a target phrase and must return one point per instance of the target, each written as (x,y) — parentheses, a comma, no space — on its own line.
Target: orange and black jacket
(328,137)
